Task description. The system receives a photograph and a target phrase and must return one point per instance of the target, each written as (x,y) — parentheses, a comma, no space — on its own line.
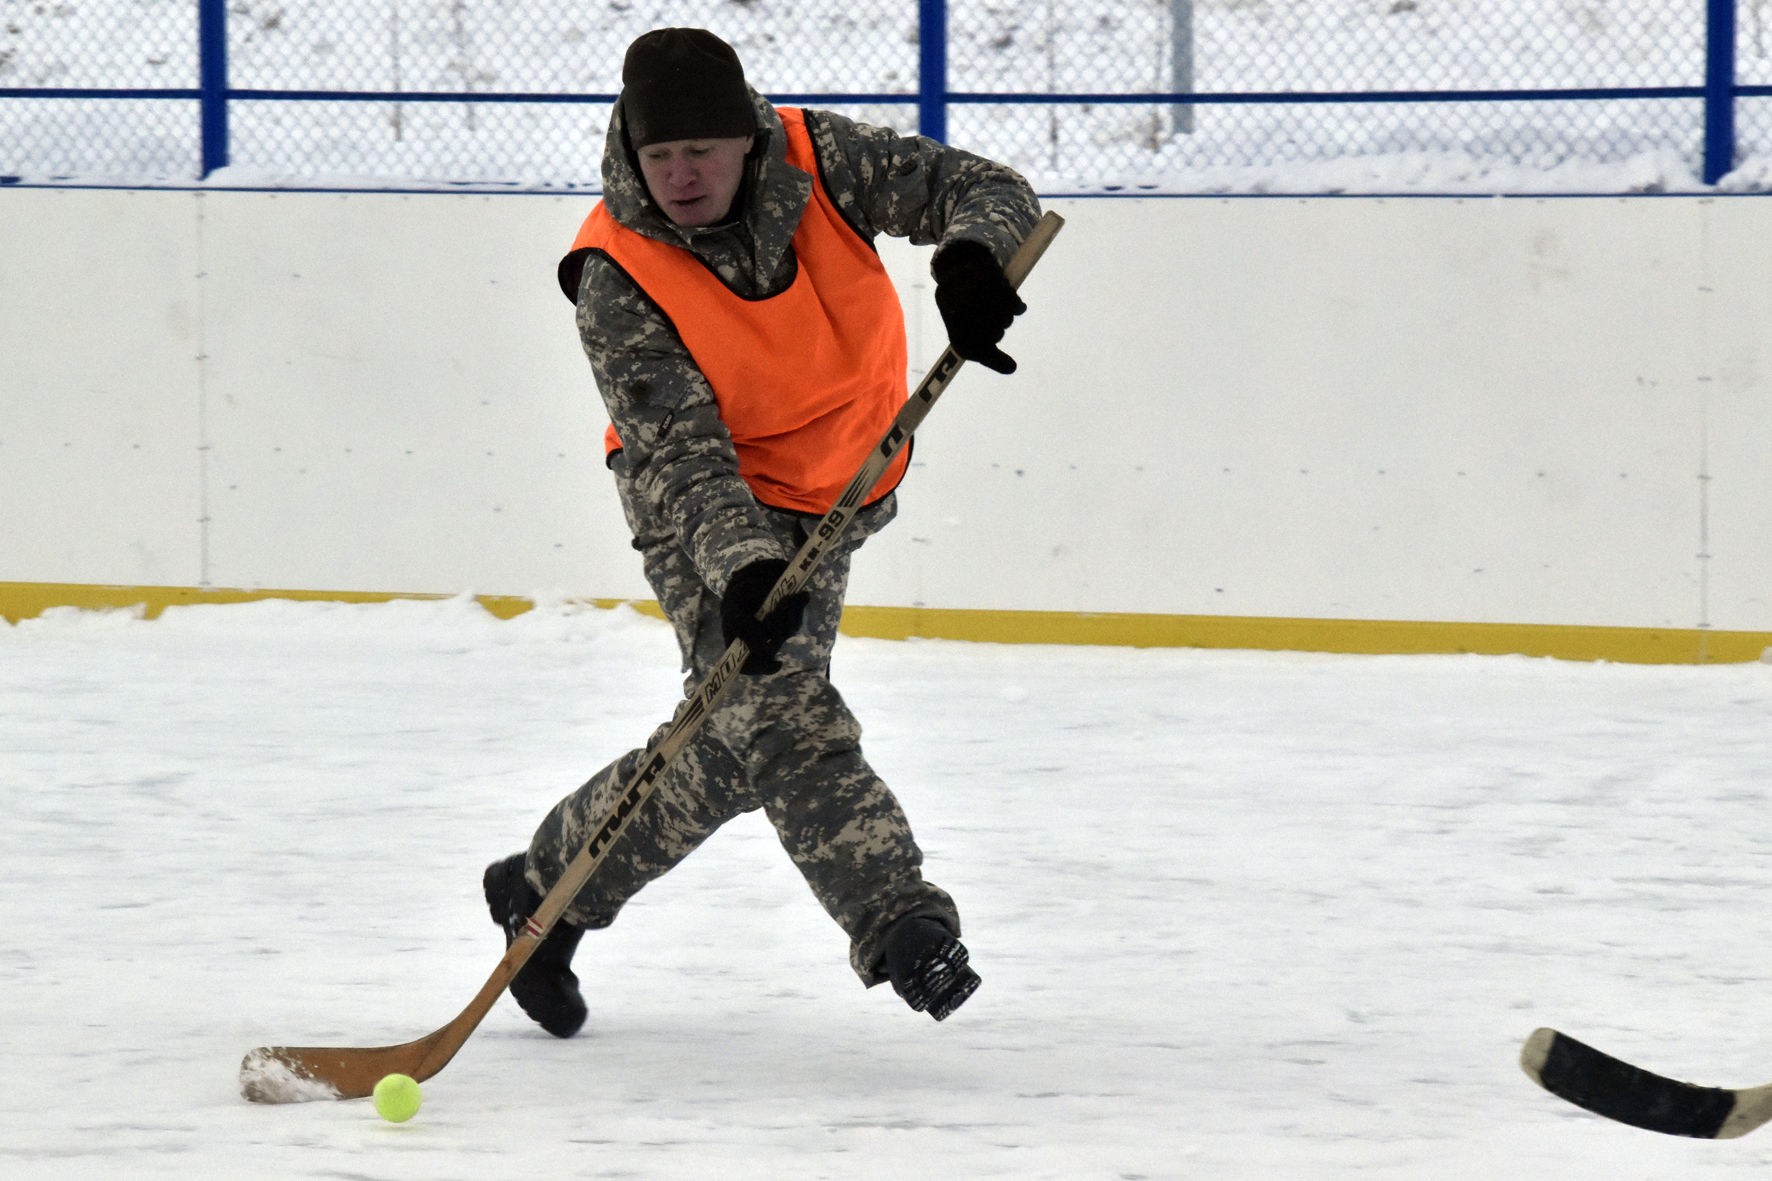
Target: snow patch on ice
(266,1078)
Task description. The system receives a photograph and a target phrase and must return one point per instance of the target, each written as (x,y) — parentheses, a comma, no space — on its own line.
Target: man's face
(695,180)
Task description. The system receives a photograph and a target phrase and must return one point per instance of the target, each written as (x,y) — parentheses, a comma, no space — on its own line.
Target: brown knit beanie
(683,84)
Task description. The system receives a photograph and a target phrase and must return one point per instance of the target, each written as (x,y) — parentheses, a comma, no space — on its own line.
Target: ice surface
(1239,915)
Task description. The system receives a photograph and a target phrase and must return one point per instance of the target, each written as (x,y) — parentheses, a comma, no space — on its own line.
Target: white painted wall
(1497,410)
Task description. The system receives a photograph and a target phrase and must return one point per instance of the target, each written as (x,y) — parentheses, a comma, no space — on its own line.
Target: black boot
(927,966)
(546,987)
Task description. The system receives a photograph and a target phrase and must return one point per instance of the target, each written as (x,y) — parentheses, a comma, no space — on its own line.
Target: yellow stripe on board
(1356,636)
(27,600)
(1636,645)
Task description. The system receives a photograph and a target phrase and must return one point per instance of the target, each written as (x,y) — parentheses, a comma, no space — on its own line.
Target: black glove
(738,615)
(976,301)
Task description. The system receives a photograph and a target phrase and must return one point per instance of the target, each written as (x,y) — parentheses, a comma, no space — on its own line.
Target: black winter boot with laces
(546,988)
(927,966)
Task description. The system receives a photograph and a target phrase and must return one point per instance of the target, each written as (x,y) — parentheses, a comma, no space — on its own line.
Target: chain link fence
(1082,95)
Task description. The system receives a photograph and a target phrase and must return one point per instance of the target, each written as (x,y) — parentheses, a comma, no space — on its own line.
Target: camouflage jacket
(677,450)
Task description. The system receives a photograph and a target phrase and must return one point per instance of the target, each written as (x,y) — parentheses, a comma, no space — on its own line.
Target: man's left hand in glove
(976,302)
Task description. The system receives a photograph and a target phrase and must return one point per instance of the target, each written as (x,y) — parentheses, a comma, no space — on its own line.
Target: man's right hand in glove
(745,593)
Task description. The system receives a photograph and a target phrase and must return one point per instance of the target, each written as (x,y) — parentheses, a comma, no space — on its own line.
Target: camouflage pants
(785,743)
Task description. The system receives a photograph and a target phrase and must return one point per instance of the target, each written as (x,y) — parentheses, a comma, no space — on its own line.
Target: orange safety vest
(807,380)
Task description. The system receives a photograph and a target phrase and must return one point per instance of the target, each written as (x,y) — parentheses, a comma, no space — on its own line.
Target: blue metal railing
(1719,91)
(932,69)
(212,43)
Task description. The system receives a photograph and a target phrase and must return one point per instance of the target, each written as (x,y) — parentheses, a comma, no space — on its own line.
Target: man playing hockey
(750,352)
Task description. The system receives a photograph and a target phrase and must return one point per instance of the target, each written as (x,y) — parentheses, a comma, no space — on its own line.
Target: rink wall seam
(21,601)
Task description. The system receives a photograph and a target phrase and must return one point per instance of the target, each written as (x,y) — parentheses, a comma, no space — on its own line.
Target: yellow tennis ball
(397,1098)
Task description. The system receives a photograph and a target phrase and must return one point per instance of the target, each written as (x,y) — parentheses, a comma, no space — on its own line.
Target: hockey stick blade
(294,1074)
(1589,1078)
(298,1074)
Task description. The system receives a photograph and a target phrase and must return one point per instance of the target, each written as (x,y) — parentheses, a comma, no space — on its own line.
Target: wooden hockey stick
(1576,1072)
(290,1074)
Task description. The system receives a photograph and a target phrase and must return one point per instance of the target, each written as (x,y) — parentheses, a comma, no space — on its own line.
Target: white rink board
(99,425)
(1521,410)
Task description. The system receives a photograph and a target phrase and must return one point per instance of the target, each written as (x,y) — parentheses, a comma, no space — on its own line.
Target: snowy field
(855,47)
(1239,915)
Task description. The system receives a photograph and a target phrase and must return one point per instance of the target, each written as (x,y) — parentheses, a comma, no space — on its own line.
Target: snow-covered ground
(1239,915)
(852,47)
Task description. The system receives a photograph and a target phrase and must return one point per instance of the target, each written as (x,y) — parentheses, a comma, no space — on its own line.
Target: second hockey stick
(1576,1072)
